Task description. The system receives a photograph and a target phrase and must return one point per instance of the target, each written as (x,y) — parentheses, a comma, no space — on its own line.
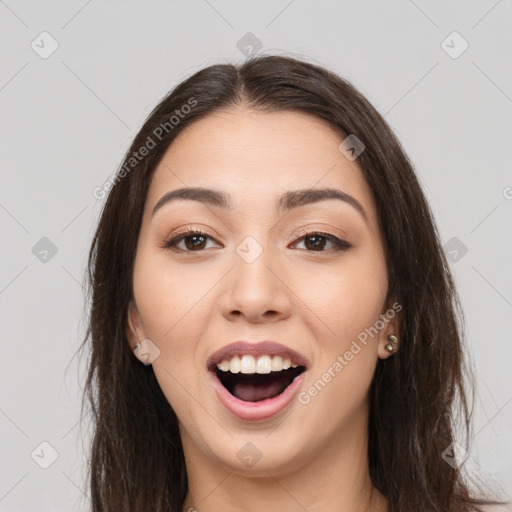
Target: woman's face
(266,268)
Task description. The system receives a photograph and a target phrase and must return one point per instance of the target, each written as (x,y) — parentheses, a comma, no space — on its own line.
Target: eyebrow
(288,201)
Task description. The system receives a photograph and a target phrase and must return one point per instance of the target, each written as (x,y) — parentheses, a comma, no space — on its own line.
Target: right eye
(194,240)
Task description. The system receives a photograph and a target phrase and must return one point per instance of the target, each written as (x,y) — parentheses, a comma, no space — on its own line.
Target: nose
(256,291)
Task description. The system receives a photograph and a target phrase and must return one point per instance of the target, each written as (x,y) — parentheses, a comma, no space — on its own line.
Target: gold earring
(392,347)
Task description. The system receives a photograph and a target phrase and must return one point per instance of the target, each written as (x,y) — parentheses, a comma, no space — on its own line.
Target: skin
(316,301)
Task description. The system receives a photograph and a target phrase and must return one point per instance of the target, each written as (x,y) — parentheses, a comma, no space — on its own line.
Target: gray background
(68,118)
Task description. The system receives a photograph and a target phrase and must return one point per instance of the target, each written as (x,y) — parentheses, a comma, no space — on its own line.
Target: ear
(390,316)
(143,348)
(134,328)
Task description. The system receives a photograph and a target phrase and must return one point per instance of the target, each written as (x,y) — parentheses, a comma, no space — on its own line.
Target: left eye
(319,241)
(196,240)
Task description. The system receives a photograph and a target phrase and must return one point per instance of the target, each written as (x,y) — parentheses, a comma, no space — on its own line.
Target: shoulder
(497,508)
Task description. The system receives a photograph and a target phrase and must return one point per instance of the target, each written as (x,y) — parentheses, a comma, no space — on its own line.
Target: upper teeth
(248,364)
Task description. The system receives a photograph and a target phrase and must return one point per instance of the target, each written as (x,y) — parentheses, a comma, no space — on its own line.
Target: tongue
(254,389)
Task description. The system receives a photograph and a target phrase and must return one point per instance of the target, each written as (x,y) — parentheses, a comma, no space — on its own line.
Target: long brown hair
(136,461)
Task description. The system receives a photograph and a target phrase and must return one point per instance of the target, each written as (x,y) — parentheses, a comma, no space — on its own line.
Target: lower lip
(255,411)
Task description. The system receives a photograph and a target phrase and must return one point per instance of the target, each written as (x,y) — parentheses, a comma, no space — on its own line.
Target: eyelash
(339,245)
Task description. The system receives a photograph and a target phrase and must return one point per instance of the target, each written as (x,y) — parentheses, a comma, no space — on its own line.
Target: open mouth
(254,387)
(256,381)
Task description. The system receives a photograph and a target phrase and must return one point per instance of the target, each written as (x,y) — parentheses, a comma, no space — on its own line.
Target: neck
(335,477)
(312,491)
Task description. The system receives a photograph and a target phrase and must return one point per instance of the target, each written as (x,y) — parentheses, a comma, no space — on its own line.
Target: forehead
(254,155)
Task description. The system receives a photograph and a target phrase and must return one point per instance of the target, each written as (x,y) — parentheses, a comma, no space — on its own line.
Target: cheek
(171,303)
(168,296)
(350,304)
(175,308)
(346,297)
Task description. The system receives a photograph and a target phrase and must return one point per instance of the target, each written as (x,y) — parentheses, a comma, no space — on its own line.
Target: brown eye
(317,242)
(192,241)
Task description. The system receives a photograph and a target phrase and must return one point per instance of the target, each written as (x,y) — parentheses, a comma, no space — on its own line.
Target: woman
(273,322)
